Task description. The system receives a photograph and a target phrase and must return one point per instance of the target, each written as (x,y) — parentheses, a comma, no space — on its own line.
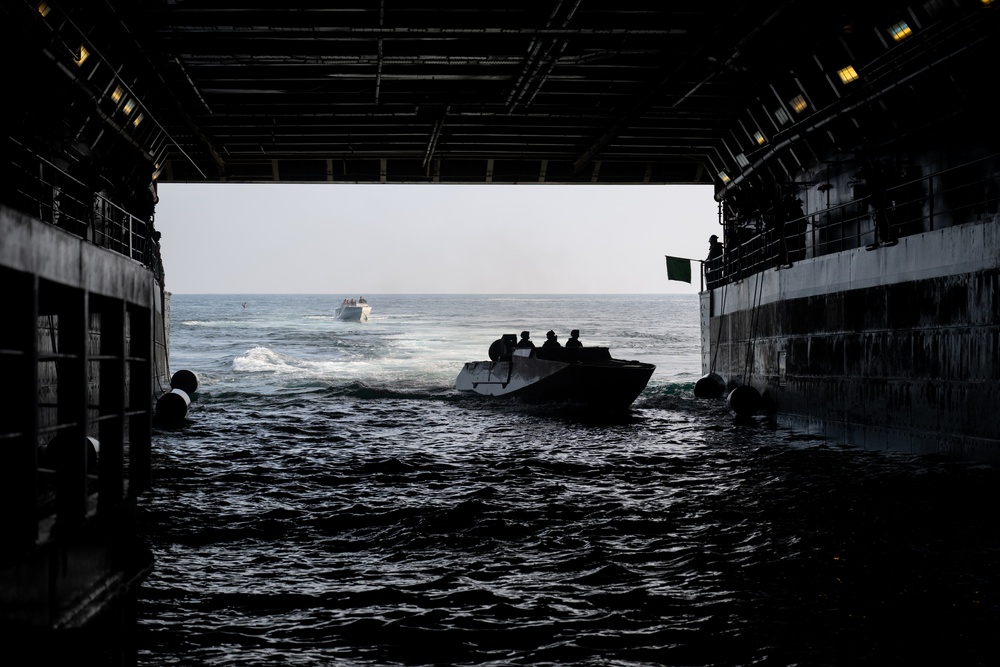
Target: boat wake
(263,359)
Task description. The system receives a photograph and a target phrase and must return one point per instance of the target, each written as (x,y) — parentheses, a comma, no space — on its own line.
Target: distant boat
(583,375)
(354,310)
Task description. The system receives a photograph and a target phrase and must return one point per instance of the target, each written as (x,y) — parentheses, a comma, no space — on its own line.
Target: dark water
(332,500)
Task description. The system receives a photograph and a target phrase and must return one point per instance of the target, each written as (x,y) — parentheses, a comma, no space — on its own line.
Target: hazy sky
(431,239)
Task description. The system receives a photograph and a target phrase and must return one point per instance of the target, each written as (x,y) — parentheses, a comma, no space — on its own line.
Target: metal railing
(44,190)
(949,197)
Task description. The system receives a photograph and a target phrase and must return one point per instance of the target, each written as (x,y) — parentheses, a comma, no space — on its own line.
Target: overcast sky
(431,239)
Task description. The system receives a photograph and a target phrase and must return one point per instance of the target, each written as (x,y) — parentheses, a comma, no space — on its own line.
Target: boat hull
(353,313)
(600,383)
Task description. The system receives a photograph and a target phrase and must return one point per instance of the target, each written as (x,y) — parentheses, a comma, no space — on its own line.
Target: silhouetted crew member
(793,230)
(525,341)
(714,247)
(574,339)
(713,264)
(551,339)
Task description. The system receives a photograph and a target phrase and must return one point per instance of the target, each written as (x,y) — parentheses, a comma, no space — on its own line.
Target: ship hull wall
(891,348)
(84,348)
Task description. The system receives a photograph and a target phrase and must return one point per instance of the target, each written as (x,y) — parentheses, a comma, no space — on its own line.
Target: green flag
(678,268)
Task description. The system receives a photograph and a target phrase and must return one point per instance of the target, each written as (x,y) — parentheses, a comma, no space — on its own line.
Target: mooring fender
(710,385)
(744,401)
(172,407)
(66,451)
(185,380)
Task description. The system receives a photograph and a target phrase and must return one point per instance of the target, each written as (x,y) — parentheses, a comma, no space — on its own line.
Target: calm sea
(332,500)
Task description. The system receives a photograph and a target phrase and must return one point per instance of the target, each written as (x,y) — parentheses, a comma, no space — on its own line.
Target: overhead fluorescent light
(724,177)
(118,94)
(44,9)
(129,106)
(899,31)
(798,103)
(847,74)
(742,160)
(81,55)
(759,138)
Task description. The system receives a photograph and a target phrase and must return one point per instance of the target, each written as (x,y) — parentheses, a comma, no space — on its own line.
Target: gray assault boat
(575,375)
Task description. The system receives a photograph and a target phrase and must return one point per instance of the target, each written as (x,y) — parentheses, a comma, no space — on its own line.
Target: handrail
(44,190)
(949,197)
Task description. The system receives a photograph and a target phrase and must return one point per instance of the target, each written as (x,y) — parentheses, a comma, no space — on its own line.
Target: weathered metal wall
(82,353)
(892,348)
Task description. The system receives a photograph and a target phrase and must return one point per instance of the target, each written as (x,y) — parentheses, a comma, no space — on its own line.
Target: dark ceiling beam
(535,58)
(373,80)
(703,52)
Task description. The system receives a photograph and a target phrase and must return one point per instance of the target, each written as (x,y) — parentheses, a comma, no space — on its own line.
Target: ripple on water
(561,544)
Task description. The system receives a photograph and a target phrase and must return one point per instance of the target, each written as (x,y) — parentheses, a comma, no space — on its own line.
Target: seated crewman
(574,339)
(551,339)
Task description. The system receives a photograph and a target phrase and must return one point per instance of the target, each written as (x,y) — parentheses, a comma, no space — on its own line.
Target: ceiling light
(129,106)
(742,160)
(781,115)
(798,103)
(847,74)
(44,9)
(81,55)
(759,138)
(118,93)
(137,120)
(724,176)
(900,31)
